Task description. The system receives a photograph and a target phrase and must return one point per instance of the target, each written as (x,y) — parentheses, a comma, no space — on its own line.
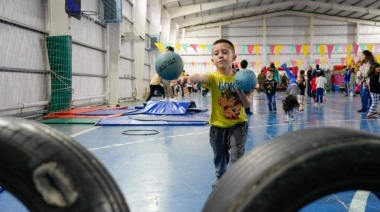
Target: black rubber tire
(48,171)
(296,169)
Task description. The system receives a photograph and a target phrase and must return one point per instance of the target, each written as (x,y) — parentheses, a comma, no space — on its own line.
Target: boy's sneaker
(275,111)
(371,116)
(316,104)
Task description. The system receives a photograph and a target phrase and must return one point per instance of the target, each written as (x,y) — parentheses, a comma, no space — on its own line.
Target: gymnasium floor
(173,170)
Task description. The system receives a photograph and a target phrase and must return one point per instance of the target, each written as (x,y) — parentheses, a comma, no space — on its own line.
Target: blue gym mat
(126,121)
(171,118)
(166,107)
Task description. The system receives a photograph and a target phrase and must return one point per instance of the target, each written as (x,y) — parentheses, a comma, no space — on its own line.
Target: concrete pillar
(139,23)
(357,32)
(165,27)
(311,37)
(112,58)
(265,56)
(58,21)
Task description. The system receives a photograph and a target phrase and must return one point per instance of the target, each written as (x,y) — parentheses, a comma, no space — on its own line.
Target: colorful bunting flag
(356,47)
(329,49)
(178,46)
(184,46)
(277,49)
(244,49)
(322,49)
(202,46)
(209,48)
(305,50)
(298,49)
(348,49)
(299,64)
(194,46)
(257,49)
(250,48)
(370,47)
(160,46)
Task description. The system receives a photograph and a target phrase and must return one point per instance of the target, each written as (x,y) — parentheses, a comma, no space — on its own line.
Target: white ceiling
(199,14)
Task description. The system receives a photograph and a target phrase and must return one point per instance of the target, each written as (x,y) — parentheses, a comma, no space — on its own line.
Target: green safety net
(60,57)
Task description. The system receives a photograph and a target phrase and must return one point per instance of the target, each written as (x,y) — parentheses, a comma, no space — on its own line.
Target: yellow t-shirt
(156,80)
(226,107)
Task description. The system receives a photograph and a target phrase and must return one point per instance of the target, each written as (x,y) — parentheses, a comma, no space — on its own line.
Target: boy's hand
(242,94)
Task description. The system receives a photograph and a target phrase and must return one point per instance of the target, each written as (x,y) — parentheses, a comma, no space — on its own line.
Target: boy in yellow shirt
(228,131)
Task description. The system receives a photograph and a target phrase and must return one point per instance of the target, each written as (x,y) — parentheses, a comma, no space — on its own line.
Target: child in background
(314,88)
(301,82)
(320,82)
(228,131)
(353,81)
(290,102)
(270,86)
(374,89)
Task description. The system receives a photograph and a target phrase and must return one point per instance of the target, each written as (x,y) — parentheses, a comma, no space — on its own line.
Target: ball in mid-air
(245,80)
(169,65)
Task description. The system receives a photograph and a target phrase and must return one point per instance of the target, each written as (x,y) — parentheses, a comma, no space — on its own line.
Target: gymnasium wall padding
(60,61)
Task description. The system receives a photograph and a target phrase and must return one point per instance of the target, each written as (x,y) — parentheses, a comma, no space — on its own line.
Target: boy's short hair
(225,41)
(170,48)
(244,64)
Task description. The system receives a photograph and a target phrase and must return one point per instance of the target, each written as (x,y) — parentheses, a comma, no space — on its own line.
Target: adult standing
(309,77)
(243,65)
(169,91)
(261,78)
(362,79)
(155,84)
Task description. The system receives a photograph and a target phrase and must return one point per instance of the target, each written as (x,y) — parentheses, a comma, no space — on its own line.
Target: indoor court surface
(173,171)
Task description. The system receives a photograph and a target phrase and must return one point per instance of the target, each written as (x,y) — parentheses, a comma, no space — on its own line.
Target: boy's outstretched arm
(194,78)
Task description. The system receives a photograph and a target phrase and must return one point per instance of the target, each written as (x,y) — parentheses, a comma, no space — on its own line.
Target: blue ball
(169,65)
(245,80)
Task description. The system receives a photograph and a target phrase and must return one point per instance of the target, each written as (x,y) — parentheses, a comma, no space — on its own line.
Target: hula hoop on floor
(140,132)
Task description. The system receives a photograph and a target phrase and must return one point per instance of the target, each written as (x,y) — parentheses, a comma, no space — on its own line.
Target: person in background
(168,89)
(243,65)
(333,81)
(320,82)
(347,77)
(155,84)
(301,82)
(309,77)
(261,79)
(362,79)
(270,86)
(276,75)
(290,102)
(229,127)
(374,89)
(283,80)
(353,81)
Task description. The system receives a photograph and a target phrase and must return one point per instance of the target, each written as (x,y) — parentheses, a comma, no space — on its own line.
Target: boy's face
(223,56)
